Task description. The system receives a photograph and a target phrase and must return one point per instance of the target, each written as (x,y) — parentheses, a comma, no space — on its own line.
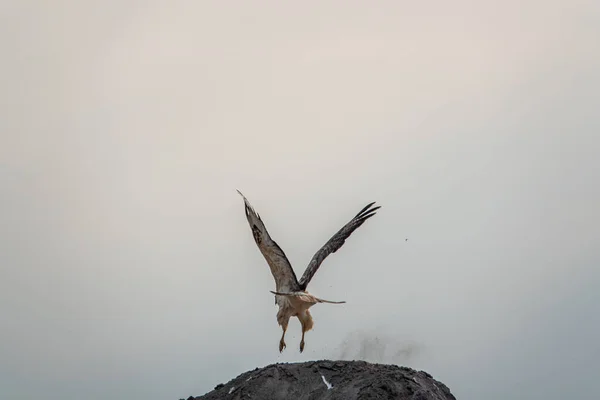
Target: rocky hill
(347,380)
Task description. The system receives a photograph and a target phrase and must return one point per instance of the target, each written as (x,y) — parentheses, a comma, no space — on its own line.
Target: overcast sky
(127,267)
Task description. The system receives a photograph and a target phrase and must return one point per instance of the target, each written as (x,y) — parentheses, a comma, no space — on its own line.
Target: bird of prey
(290,294)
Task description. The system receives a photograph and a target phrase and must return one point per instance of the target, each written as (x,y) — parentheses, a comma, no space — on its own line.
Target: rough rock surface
(331,380)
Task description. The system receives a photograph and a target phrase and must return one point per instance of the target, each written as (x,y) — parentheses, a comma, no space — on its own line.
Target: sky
(127,267)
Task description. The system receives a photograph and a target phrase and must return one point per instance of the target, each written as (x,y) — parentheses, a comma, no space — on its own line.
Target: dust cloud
(377,347)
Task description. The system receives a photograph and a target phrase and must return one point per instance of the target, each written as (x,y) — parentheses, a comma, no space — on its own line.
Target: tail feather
(304,294)
(329,301)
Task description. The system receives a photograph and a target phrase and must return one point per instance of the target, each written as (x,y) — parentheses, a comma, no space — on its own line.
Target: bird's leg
(307,324)
(303,323)
(283,318)
(302,341)
(282,341)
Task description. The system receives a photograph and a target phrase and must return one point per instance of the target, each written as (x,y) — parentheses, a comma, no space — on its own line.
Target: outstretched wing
(285,278)
(335,243)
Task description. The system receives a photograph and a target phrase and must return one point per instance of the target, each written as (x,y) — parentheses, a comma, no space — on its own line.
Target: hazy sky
(128,270)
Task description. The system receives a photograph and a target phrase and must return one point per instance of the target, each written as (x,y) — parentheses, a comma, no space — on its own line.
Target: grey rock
(331,380)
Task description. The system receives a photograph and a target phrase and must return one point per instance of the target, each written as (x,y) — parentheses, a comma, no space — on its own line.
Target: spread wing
(335,243)
(285,278)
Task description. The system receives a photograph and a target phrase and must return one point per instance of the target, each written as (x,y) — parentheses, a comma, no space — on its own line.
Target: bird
(291,295)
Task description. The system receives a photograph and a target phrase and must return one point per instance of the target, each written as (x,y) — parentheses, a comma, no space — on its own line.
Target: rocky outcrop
(347,380)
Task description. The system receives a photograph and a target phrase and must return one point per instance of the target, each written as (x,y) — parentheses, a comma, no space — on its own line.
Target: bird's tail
(307,297)
(329,301)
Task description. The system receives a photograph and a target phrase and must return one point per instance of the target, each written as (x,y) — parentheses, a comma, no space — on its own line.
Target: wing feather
(285,277)
(336,242)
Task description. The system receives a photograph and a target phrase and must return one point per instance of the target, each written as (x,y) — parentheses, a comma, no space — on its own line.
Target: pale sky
(127,267)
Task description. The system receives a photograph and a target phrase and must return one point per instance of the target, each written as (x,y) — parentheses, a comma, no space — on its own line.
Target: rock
(332,380)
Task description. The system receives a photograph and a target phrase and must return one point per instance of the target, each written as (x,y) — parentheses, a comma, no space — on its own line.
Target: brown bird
(290,294)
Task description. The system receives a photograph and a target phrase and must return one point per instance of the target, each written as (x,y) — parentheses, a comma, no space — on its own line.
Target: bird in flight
(290,293)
